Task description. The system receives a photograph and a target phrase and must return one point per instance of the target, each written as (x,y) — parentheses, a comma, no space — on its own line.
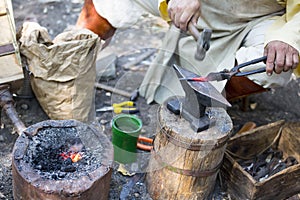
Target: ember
(75,156)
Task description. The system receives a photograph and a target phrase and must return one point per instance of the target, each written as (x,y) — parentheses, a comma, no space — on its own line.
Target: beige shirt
(230,21)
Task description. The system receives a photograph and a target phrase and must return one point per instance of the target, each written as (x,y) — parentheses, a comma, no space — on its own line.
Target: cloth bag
(62,71)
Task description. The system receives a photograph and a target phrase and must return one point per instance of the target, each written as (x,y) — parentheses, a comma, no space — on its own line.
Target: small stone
(1,138)
(39,167)
(253,106)
(69,168)
(2,195)
(45,10)
(68,161)
(62,174)
(106,67)
(24,106)
(54,176)
(103,121)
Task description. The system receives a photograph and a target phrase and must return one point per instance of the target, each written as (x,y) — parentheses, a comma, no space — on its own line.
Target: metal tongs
(227,74)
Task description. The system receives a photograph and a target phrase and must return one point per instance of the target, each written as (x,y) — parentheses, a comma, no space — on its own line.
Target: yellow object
(297,71)
(163,9)
(119,107)
(281,2)
(125,103)
(123,107)
(124,171)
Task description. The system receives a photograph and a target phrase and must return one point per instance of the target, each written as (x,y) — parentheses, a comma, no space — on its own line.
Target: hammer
(202,39)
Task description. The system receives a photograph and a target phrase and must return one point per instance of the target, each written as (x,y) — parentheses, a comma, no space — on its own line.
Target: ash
(45,149)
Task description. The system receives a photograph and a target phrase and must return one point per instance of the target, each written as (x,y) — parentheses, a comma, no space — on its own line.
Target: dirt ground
(127,45)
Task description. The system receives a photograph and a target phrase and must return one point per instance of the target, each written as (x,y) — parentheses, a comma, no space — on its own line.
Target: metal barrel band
(195,147)
(187,172)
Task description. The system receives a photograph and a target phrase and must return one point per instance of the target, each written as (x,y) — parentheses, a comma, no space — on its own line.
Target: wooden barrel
(184,164)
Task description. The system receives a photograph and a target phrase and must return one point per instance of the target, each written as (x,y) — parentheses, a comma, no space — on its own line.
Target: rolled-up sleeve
(125,13)
(119,13)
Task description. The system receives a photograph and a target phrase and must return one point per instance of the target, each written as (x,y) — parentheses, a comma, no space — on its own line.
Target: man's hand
(281,57)
(182,12)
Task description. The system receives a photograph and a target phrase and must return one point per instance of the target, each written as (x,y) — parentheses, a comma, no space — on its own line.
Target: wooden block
(10,64)
(2,8)
(10,70)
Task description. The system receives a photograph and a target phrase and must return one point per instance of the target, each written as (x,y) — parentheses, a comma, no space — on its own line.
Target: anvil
(198,96)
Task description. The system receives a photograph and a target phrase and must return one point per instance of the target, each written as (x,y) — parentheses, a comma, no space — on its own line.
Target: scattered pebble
(136,195)
(2,195)
(103,121)
(24,106)
(253,106)
(45,10)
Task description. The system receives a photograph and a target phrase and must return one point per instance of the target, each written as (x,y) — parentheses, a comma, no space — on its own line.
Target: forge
(62,159)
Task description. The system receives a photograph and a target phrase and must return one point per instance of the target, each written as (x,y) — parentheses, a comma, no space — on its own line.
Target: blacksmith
(241,31)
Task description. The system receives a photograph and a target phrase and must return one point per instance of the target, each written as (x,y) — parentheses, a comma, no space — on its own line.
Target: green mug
(126,129)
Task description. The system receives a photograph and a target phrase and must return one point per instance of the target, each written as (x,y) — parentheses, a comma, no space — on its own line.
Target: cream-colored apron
(230,21)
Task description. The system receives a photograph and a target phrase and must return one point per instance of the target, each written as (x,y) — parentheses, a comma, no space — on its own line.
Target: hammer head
(203,44)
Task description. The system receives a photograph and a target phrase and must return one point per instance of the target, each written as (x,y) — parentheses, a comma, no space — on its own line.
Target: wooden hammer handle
(194,31)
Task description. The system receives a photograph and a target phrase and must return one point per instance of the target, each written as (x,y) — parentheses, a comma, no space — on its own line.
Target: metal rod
(113,90)
(13,116)
(6,102)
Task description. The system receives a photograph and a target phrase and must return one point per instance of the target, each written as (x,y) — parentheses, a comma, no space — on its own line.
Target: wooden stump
(184,164)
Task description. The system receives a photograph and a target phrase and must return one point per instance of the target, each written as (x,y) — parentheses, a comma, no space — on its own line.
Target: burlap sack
(62,71)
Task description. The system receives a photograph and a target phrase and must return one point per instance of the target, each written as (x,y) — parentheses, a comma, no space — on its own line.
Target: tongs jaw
(227,74)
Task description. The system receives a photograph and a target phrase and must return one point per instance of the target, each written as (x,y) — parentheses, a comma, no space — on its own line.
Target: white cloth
(124,13)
